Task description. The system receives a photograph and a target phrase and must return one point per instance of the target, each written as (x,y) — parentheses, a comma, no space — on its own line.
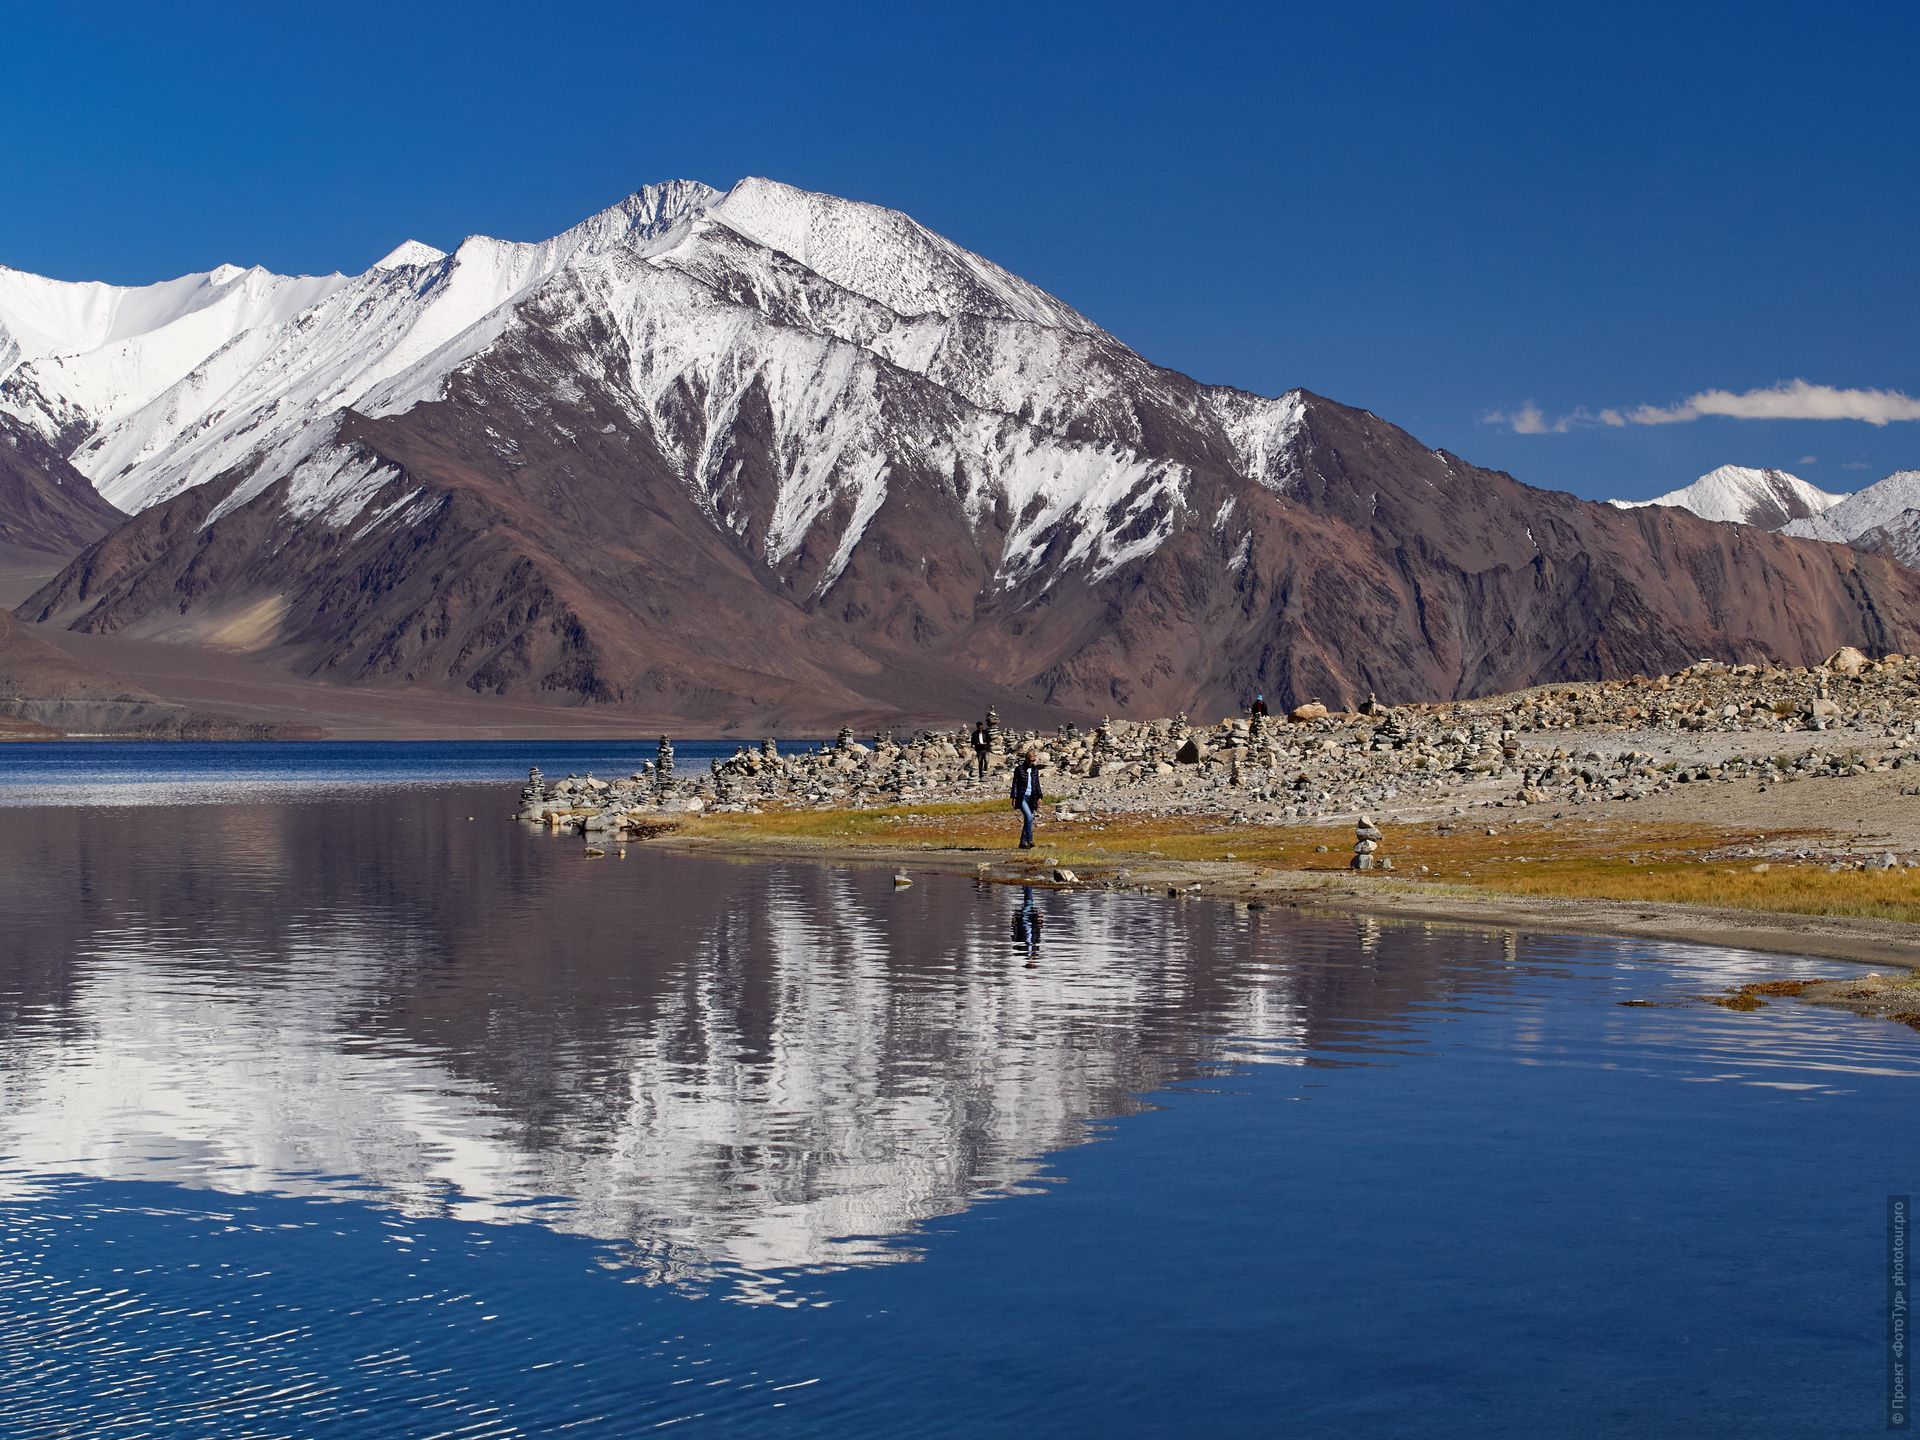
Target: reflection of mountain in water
(725,1067)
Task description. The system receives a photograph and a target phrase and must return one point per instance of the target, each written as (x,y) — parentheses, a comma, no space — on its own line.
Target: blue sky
(1441,213)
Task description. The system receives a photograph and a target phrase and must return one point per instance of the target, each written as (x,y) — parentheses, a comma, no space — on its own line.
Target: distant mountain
(1768,499)
(1884,517)
(770,455)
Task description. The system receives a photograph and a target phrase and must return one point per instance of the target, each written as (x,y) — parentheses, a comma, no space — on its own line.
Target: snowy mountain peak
(887,256)
(152,392)
(409,253)
(1745,495)
(651,214)
(1882,504)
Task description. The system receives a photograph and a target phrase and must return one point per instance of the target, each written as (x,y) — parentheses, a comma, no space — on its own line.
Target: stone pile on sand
(1557,745)
(1366,846)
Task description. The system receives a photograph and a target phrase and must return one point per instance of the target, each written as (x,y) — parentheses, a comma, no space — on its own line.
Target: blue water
(340,1113)
(118,772)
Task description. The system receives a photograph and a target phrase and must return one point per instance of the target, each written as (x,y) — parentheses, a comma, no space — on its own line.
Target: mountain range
(766,456)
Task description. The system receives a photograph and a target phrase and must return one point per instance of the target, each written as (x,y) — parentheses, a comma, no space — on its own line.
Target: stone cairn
(1100,751)
(533,794)
(663,766)
(1366,846)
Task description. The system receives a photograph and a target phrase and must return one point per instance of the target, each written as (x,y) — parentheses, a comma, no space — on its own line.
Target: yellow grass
(1797,889)
(1613,860)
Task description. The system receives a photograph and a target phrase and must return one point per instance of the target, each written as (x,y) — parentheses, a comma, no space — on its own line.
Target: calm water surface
(325,1109)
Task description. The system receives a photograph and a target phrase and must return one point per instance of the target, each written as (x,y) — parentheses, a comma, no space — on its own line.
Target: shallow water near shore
(325,1109)
(137,772)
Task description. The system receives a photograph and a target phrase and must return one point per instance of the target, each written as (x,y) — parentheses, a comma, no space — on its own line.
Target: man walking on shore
(1026,794)
(982,743)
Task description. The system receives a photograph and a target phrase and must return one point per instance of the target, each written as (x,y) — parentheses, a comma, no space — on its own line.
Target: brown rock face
(47,508)
(555,555)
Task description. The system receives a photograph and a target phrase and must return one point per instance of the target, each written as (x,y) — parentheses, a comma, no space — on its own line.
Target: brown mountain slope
(47,508)
(547,550)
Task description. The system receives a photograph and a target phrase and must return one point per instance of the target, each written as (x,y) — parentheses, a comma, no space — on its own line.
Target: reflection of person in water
(1026,924)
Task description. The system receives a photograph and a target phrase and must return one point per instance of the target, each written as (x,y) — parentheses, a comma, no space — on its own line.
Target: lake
(331,1102)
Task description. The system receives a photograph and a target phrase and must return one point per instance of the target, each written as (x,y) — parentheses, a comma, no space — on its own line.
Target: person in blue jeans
(1026,794)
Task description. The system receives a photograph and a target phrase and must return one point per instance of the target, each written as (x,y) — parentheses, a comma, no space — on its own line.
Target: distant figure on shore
(1026,794)
(1259,707)
(1026,925)
(982,743)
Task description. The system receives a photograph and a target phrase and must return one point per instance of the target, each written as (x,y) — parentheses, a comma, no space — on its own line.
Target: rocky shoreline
(1795,746)
(1600,744)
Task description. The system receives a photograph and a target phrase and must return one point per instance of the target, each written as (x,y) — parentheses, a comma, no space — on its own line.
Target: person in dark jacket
(982,743)
(1259,706)
(1026,794)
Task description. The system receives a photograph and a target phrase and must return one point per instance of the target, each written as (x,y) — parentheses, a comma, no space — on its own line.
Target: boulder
(1312,710)
(1846,661)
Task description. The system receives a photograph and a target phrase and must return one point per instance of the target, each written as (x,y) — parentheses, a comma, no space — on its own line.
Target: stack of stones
(1366,845)
(663,767)
(533,794)
(1102,747)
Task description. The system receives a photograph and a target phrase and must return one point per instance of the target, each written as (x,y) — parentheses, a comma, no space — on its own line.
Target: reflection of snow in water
(873,1095)
(761,1068)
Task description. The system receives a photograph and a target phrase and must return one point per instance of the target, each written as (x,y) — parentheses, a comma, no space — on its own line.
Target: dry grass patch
(1608,860)
(1795,889)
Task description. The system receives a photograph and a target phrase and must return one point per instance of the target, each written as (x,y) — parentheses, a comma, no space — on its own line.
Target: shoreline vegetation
(1589,887)
(1764,808)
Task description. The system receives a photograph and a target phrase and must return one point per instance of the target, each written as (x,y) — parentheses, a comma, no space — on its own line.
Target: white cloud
(1525,419)
(1528,418)
(1788,400)
(1808,460)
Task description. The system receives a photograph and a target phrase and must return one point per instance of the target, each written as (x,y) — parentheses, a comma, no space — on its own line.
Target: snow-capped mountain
(76,357)
(1885,516)
(159,389)
(1746,496)
(765,451)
